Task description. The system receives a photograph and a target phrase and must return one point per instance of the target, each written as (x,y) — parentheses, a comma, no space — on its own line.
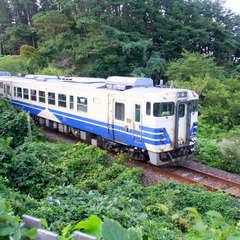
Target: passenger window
(33,95)
(62,100)
(51,98)
(71,105)
(8,89)
(163,109)
(137,112)
(19,92)
(1,84)
(25,93)
(194,105)
(15,91)
(181,110)
(41,96)
(148,108)
(120,111)
(82,104)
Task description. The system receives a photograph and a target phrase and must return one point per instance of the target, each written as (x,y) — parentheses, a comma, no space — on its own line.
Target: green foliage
(217,228)
(51,24)
(11,226)
(13,123)
(12,64)
(192,66)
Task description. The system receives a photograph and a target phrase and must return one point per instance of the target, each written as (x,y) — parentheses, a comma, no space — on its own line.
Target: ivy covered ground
(68,183)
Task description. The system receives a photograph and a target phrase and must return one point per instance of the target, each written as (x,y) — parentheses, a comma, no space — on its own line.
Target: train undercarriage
(176,157)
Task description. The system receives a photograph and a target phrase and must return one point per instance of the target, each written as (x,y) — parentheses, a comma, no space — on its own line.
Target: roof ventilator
(41,77)
(7,74)
(125,83)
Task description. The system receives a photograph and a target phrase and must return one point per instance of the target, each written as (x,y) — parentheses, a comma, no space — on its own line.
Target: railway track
(211,182)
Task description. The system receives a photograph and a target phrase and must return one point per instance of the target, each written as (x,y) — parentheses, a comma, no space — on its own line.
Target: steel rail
(224,180)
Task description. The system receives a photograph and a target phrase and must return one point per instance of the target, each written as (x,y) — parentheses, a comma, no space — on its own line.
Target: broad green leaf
(7,217)
(216,214)
(193,210)
(112,230)
(17,235)
(92,226)
(134,234)
(44,223)
(32,233)
(6,231)
(199,226)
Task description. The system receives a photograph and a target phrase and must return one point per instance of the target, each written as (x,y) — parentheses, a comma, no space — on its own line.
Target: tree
(51,24)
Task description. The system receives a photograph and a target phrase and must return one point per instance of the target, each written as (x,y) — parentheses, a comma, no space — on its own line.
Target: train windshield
(163,109)
(194,105)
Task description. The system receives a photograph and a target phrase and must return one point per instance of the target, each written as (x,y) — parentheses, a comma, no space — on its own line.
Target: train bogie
(120,113)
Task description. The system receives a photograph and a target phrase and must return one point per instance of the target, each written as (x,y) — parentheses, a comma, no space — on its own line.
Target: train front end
(174,124)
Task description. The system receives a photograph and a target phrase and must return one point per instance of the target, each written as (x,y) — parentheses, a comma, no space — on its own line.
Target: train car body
(120,113)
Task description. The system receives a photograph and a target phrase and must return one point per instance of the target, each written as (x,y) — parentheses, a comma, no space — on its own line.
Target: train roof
(123,85)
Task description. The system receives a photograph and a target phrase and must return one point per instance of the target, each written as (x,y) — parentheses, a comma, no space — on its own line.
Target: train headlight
(194,94)
(165,96)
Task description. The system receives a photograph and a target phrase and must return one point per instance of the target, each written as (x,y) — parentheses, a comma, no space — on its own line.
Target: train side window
(41,96)
(119,111)
(148,108)
(181,110)
(71,102)
(8,90)
(51,98)
(194,105)
(137,112)
(1,84)
(163,109)
(82,104)
(33,95)
(15,91)
(25,93)
(19,92)
(62,100)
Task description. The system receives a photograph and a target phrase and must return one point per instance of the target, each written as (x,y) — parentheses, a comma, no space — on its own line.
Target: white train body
(120,113)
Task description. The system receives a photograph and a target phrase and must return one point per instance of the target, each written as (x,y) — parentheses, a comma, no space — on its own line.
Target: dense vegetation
(65,184)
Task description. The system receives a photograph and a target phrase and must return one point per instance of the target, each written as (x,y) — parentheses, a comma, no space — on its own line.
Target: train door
(182,124)
(118,127)
(137,123)
(7,90)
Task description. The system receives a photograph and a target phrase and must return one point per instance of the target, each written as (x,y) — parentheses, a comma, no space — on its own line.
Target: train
(122,114)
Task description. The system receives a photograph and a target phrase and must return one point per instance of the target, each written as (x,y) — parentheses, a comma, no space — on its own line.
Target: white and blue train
(119,113)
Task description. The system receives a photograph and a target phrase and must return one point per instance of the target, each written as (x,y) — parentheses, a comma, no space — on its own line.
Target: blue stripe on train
(101,128)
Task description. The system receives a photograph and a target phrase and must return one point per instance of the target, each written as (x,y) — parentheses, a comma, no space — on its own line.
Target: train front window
(148,108)
(194,105)
(163,109)
(1,84)
(181,110)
